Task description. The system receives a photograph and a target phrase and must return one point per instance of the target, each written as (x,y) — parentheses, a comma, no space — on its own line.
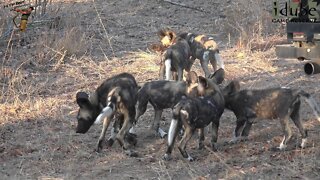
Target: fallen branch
(183,5)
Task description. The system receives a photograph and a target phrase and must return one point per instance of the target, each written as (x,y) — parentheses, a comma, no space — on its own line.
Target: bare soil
(37,132)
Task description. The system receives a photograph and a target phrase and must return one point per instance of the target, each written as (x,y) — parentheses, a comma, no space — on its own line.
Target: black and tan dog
(196,113)
(116,96)
(176,58)
(204,48)
(164,94)
(274,103)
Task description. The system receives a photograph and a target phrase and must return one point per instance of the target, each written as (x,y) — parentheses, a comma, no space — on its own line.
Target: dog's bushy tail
(312,103)
(174,125)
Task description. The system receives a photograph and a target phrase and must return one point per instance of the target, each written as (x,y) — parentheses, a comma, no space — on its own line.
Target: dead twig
(183,5)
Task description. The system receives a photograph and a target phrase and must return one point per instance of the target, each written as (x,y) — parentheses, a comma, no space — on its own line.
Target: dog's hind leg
(183,143)
(201,138)
(180,74)
(215,128)
(106,123)
(295,116)
(204,63)
(213,61)
(124,129)
(115,129)
(156,123)
(287,132)
(218,61)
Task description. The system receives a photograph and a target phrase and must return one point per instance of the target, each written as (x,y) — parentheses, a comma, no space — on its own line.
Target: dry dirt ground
(39,82)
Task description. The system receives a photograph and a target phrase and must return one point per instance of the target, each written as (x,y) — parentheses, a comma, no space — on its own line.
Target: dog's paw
(110,142)
(131,139)
(213,148)
(243,138)
(190,158)
(234,140)
(99,146)
(131,153)
(282,147)
(162,133)
(200,146)
(167,157)
(303,143)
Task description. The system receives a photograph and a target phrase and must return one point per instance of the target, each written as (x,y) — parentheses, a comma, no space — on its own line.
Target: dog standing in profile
(115,96)
(204,48)
(164,94)
(196,113)
(176,57)
(273,103)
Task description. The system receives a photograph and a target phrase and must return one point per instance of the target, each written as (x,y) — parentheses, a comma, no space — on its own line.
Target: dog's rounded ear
(203,82)
(172,35)
(162,32)
(191,77)
(217,76)
(232,87)
(82,99)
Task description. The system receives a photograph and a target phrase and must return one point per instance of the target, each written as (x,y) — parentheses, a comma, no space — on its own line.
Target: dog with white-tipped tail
(196,113)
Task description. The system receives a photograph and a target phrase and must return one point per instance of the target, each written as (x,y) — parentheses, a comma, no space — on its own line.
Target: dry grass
(40,78)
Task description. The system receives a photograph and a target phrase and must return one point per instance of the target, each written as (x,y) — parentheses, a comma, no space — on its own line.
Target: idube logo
(294,10)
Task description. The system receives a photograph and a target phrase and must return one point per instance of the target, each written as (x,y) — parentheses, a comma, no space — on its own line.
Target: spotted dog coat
(176,57)
(164,94)
(196,113)
(273,103)
(204,48)
(115,96)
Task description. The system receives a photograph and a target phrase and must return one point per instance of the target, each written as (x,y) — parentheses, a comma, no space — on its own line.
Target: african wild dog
(196,113)
(204,48)
(176,57)
(164,94)
(273,103)
(115,96)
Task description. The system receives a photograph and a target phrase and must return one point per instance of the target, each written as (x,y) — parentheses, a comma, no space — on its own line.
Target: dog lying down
(273,103)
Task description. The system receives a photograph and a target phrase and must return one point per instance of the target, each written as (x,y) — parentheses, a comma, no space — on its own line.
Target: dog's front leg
(106,123)
(215,128)
(246,130)
(201,138)
(239,127)
(180,73)
(287,132)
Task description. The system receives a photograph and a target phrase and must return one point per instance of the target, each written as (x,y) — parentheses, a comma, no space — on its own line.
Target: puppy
(273,103)
(115,96)
(204,48)
(176,57)
(196,113)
